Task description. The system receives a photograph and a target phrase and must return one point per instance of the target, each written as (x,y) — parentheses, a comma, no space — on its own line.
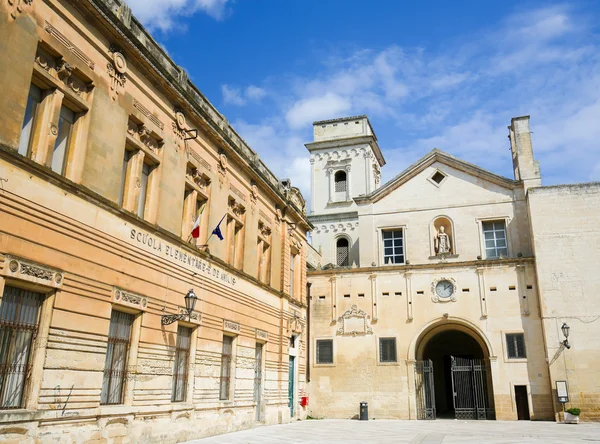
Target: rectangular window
(115,366)
(33,100)
(126,159)
(143,190)
(19,320)
(61,146)
(494,234)
(264,261)
(387,350)
(180,368)
(515,345)
(292,274)
(393,247)
(226,368)
(324,351)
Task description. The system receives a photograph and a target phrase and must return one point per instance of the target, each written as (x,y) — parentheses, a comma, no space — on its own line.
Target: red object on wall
(304,401)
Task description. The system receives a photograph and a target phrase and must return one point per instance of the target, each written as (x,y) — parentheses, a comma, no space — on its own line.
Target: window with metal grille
(515,345)
(226,368)
(342,250)
(19,320)
(340,182)
(115,366)
(393,247)
(182,359)
(387,350)
(494,234)
(324,351)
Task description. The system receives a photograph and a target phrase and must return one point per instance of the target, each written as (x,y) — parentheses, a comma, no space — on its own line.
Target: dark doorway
(443,349)
(522,402)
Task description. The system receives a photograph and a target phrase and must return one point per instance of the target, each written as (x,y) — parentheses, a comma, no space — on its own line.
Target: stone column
(409,299)
(482,300)
(373,279)
(331,188)
(348,182)
(333,292)
(522,289)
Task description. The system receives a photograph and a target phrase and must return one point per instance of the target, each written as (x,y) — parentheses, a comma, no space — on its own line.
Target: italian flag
(196,229)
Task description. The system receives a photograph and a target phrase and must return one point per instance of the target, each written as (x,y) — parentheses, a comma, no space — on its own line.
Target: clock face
(444,289)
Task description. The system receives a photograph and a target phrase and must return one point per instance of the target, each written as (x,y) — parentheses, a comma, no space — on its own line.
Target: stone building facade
(108,157)
(441,293)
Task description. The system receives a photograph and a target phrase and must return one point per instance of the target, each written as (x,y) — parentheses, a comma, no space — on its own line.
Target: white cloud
(234,95)
(460,99)
(162,14)
(314,108)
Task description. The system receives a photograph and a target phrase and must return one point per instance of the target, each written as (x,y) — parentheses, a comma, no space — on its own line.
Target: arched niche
(342,251)
(436,230)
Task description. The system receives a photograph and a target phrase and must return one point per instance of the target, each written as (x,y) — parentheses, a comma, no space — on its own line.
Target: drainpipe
(308,285)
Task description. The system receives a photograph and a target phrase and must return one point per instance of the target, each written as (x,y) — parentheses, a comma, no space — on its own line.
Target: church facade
(119,321)
(442,293)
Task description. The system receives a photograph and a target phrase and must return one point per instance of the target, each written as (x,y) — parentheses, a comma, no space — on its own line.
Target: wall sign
(562,392)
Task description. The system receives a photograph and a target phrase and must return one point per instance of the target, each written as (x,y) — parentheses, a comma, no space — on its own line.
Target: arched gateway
(452,373)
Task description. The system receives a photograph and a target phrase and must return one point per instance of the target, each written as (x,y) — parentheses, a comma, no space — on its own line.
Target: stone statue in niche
(442,242)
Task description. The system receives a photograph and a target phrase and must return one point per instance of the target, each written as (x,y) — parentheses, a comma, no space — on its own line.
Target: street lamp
(190,302)
(565,331)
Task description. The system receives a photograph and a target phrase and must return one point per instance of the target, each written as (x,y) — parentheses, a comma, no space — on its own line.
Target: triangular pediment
(437,157)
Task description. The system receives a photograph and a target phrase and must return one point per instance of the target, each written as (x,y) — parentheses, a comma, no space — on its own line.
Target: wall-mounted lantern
(190,302)
(565,331)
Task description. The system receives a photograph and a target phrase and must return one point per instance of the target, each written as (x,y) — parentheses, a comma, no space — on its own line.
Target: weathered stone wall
(565,225)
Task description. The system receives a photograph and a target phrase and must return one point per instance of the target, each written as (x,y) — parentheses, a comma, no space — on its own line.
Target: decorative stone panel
(354,322)
(128,299)
(194,318)
(261,334)
(231,326)
(25,270)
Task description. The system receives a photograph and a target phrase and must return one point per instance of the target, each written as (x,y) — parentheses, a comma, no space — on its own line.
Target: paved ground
(414,432)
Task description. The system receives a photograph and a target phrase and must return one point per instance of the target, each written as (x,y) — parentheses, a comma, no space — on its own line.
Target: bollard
(364,411)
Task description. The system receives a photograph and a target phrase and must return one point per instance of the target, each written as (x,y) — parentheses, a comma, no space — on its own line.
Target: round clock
(444,289)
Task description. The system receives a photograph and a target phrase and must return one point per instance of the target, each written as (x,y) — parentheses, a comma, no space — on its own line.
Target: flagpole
(213,232)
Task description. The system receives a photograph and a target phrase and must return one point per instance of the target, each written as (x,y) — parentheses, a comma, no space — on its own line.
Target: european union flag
(217,232)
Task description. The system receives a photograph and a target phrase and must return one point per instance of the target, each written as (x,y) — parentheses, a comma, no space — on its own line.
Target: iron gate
(424,389)
(470,389)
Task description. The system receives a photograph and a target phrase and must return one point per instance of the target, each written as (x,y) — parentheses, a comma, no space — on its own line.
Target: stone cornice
(45,173)
(334,217)
(115,18)
(488,263)
(370,140)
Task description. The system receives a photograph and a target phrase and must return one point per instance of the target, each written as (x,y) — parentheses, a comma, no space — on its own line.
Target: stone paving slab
(334,431)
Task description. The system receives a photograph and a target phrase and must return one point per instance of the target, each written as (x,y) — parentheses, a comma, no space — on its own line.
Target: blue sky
(428,74)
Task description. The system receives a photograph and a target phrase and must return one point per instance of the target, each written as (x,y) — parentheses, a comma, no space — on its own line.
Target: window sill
(323,365)
(444,256)
(516,360)
(393,364)
(339,203)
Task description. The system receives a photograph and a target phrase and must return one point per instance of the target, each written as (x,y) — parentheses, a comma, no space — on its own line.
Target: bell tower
(345,163)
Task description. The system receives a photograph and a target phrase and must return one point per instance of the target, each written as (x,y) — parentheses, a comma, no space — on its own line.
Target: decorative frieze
(28,271)
(67,43)
(62,71)
(235,190)
(144,135)
(124,297)
(261,334)
(354,322)
(232,327)
(151,117)
(236,209)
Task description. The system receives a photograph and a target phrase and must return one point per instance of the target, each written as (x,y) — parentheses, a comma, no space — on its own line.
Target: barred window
(19,320)
(182,359)
(342,250)
(224,388)
(393,247)
(324,351)
(115,366)
(340,182)
(515,345)
(387,350)
(494,234)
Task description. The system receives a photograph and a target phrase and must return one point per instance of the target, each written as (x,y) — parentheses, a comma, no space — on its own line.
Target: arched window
(342,252)
(340,182)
